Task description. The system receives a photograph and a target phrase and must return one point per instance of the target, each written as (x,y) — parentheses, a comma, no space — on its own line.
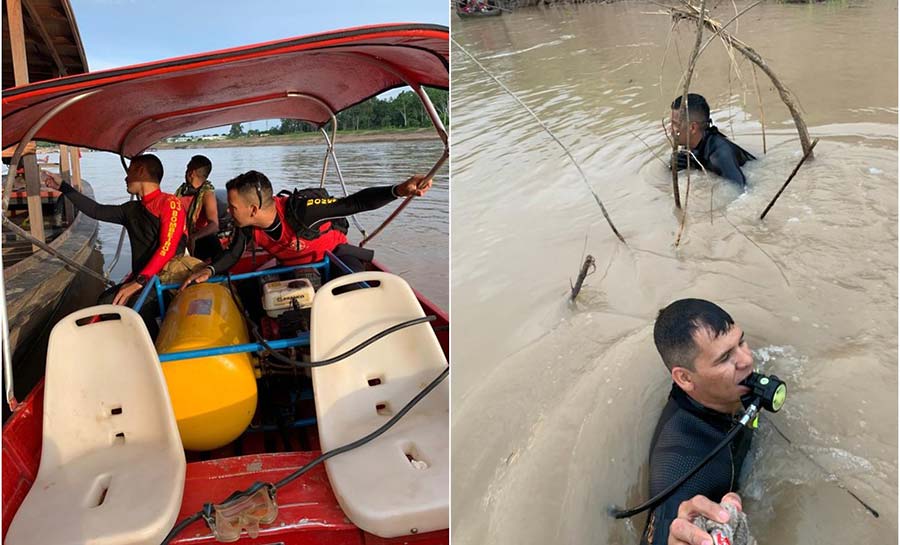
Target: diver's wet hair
(253,186)
(151,164)
(698,108)
(677,324)
(201,164)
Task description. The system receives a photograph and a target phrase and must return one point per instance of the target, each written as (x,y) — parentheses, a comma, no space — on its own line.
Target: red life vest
(292,250)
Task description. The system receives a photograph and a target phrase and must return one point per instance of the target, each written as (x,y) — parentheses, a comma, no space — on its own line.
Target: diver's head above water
(689,134)
(705,352)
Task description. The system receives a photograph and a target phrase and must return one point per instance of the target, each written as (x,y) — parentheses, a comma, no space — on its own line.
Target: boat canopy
(312,78)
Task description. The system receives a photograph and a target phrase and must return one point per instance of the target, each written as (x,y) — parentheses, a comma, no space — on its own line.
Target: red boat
(301,416)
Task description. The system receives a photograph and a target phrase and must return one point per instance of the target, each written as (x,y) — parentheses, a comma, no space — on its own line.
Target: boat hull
(309,513)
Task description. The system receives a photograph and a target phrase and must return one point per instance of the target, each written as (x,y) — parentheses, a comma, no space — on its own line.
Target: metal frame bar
(139,304)
(330,149)
(26,138)
(337,168)
(7,352)
(302,340)
(159,287)
(11,177)
(220,107)
(435,121)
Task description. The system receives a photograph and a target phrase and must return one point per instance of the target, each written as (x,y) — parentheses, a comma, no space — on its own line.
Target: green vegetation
(404,111)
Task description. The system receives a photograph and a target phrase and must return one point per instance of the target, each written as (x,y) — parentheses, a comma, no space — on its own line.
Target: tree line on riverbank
(403,111)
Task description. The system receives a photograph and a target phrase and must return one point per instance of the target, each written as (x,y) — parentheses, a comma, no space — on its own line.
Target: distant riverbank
(304,138)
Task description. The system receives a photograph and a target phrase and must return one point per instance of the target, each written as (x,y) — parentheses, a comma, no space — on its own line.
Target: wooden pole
(76,168)
(17,41)
(65,173)
(20,71)
(33,190)
(762,112)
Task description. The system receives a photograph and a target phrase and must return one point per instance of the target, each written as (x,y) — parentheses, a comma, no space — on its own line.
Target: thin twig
(791,177)
(636,135)
(762,112)
(737,26)
(579,282)
(666,131)
(723,27)
(685,120)
(687,193)
(837,480)
(758,247)
(662,65)
(553,136)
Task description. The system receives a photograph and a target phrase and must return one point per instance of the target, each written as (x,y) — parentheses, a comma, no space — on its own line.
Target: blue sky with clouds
(123,32)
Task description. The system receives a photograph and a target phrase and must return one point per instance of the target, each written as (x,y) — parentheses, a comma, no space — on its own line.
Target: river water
(415,245)
(554,404)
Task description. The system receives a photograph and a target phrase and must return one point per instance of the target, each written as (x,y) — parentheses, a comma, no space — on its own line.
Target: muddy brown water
(554,404)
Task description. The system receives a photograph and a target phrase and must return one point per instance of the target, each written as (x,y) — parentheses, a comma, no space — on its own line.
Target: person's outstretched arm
(367,199)
(112,213)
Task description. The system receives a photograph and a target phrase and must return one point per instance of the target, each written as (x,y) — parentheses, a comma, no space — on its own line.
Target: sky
(123,32)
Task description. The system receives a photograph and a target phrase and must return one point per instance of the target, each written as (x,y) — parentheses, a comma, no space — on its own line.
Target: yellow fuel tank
(213,397)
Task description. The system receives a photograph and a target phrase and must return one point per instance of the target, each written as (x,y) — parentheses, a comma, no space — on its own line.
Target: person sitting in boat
(716,153)
(707,357)
(297,228)
(155,226)
(198,197)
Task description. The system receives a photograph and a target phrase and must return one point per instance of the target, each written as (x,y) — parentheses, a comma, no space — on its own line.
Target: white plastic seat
(397,484)
(112,465)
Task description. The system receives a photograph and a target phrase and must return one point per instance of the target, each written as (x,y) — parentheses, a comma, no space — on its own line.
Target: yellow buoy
(213,397)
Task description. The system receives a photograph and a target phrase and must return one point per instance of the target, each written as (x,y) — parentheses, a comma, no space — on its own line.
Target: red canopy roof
(139,105)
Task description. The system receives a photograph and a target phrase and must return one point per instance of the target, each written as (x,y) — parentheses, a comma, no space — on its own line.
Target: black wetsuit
(685,434)
(311,215)
(719,155)
(155,226)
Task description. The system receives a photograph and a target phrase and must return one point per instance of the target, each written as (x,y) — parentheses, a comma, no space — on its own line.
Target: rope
(553,136)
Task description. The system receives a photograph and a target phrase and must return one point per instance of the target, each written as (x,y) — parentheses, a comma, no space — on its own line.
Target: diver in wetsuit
(267,219)
(716,153)
(707,356)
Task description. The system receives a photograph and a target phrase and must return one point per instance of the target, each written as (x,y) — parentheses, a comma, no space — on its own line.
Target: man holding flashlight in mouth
(707,357)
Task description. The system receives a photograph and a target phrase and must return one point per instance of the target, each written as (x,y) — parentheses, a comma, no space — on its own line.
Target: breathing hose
(207,508)
(284,359)
(657,499)
(206,512)
(766,392)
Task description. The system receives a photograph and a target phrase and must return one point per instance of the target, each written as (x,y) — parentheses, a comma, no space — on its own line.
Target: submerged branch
(791,177)
(786,96)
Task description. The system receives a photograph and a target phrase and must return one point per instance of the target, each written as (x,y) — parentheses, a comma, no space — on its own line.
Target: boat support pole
(7,353)
(340,174)
(442,133)
(20,149)
(330,148)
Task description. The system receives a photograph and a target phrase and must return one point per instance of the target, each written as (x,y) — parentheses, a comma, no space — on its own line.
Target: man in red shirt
(263,218)
(155,224)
